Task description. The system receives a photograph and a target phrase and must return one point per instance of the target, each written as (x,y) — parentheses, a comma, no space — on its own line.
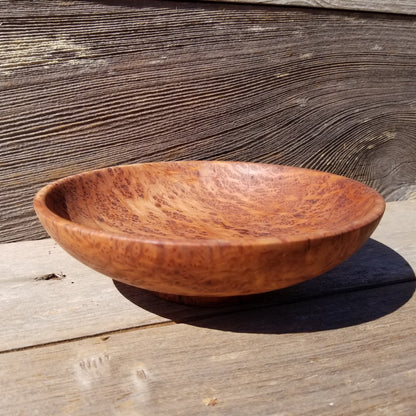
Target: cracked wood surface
(89,84)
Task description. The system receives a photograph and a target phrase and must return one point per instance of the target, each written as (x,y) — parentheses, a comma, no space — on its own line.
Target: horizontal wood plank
(382,6)
(91,84)
(307,358)
(47,296)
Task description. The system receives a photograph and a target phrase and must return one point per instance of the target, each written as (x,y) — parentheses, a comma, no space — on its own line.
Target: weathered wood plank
(46,296)
(37,308)
(90,84)
(308,358)
(383,6)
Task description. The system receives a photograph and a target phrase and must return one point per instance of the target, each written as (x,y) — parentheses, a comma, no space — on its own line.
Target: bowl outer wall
(221,269)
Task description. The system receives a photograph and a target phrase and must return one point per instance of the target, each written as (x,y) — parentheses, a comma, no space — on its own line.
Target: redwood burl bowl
(200,231)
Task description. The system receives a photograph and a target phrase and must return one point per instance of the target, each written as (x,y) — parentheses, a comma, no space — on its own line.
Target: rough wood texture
(209,229)
(280,360)
(342,346)
(62,306)
(89,84)
(79,302)
(383,6)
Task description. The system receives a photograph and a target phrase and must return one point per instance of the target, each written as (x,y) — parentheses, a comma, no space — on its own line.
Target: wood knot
(51,276)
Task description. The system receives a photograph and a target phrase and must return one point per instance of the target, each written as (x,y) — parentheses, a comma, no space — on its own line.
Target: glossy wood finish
(209,229)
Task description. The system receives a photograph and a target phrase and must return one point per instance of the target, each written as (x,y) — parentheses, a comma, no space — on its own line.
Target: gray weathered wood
(383,6)
(78,302)
(281,360)
(36,308)
(90,84)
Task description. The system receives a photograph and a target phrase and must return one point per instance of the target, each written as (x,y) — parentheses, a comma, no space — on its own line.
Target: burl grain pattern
(209,229)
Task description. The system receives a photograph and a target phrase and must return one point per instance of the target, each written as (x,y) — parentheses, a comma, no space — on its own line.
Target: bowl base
(208,301)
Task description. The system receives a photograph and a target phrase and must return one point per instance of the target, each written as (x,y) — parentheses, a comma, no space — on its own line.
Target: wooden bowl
(199,231)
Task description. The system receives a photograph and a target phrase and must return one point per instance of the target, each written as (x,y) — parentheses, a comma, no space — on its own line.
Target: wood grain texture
(209,229)
(79,302)
(306,358)
(65,305)
(91,84)
(382,6)
(406,7)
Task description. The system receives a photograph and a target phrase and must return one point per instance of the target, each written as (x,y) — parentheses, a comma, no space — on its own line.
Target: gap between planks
(100,334)
(266,366)
(216,313)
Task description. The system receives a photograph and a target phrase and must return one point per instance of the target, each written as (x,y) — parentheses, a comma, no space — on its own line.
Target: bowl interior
(213,201)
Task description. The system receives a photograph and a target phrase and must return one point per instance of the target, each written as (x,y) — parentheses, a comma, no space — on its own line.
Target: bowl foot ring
(209,301)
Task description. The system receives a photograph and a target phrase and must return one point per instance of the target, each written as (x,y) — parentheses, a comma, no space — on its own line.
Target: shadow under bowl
(199,231)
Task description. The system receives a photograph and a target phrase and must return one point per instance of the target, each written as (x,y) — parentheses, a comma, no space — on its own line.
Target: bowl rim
(42,210)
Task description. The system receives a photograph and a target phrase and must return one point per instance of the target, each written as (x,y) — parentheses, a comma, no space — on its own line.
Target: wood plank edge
(102,335)
(408,9)
(216,313)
